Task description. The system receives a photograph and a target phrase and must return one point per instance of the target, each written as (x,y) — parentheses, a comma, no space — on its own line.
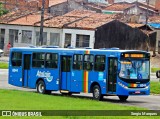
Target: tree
(2,10)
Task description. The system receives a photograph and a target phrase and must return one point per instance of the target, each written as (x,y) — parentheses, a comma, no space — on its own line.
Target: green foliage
(3,65)
(2,10)
(155,87)
(153,70)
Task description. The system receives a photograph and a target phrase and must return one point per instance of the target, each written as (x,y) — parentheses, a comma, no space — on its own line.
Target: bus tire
(122,97)
(41,88)
(97,93)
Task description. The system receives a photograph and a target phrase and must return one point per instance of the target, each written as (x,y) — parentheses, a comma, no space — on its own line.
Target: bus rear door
(65,73)
(26,69)
(112,75)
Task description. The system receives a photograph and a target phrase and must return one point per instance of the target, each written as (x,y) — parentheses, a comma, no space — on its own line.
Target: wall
(72,5)
(91,33)
(62,32)
(59,9)
(30,28)
(118,34)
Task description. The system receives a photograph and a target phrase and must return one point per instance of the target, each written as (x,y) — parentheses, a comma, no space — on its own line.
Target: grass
(3,65)
(155,87)
(18,100)
(153,70)
(22,100)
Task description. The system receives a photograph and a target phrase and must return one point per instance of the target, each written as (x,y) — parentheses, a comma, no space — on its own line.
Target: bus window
(99,63)
(77,62)
(38,60)
(16,59)
(51,60)
(135,69)
(88,62)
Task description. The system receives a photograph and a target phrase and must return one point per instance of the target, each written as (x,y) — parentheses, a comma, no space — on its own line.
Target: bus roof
(42,49)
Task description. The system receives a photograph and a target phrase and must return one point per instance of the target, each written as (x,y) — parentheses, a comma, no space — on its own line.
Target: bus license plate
(137,92)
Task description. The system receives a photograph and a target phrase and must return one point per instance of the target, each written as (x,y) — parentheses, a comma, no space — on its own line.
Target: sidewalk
(4,59)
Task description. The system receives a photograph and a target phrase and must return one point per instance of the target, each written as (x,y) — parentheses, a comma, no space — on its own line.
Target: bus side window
(88,62)
(38,60)
(77,63)
(16,59)
(99,63)
(51,60)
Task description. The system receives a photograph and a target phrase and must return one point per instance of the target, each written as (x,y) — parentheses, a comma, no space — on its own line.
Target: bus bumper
(124,90)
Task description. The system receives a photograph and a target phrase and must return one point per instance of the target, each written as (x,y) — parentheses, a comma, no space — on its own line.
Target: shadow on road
(112,99)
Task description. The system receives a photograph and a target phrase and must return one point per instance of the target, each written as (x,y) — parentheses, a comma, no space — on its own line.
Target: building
(16,28)
(154,22)
(126,8)
(155,3)
(79,28)
(12,5)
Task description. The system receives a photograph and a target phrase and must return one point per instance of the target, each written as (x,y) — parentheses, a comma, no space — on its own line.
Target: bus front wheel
(122,98)
(97,93)
(41,88)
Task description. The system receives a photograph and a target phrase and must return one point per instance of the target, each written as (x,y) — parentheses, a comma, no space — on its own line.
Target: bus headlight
(122,85)
(147,87)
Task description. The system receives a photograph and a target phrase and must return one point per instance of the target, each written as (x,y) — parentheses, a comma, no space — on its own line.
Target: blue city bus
(103,72)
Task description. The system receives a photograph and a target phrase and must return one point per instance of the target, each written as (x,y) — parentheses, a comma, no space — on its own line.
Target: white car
(1,52)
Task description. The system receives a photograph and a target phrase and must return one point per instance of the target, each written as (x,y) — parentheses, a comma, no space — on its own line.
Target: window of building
(67,40)
(38,42)
(16,59)
(2,36)
(51,60)
(88,62)
(99,64)
(26,36)
(77,62)
(38,60)
(13,36)
(54,39)
(82,40)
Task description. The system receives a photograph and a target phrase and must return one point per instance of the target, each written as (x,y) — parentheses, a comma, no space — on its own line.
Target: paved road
(151,102)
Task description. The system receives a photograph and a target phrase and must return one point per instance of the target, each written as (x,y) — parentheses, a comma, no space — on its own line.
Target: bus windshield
(135,69)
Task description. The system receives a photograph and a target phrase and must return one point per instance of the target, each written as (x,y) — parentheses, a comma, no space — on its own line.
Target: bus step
(64,91)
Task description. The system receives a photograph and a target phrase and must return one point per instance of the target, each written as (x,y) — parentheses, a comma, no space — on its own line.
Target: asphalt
(4,59)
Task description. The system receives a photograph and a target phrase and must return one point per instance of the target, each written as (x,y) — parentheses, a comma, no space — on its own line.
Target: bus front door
(26,69)
(112,75)
(65,72)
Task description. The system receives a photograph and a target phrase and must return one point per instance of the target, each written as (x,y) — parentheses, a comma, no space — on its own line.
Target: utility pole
(42,20)
(147,12)
(5,5)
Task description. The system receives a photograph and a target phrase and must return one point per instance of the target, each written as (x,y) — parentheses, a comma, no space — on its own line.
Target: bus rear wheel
(41,88)
(122,98)
(97,93)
